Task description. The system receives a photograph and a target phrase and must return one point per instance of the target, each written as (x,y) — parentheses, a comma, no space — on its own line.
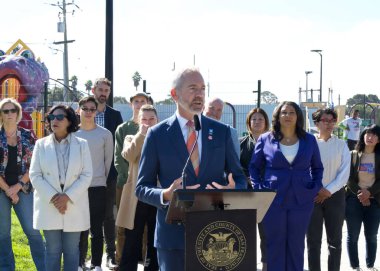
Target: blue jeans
(24,212)
(58,242)
(356,214)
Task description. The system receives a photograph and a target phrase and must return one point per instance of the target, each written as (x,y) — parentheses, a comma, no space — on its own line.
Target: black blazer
(352,184)
(112,119)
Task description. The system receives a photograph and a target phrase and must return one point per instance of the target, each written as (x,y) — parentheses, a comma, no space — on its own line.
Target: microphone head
(197,123)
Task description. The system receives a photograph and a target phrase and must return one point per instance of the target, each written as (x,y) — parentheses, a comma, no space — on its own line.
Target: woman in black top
(16,148)
(257,123)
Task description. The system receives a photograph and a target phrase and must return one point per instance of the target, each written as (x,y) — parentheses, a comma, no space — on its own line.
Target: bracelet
(22,183)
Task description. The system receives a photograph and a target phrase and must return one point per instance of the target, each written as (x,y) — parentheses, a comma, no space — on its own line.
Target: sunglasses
(92,110)
(58,117)
(7,111)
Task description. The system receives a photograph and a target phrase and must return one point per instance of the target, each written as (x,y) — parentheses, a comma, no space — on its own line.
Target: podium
(220,226)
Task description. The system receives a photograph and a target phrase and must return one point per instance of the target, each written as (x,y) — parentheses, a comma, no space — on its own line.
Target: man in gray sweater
(100,142)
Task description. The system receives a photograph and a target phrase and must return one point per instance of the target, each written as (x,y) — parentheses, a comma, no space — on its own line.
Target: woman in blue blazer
(294,169)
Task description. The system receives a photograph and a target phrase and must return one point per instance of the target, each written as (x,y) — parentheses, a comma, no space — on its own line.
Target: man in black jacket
(108,118)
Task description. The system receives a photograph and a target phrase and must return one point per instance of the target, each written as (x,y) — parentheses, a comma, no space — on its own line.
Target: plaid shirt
(99,118)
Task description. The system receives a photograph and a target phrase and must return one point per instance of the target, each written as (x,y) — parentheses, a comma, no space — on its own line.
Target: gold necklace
(12,135)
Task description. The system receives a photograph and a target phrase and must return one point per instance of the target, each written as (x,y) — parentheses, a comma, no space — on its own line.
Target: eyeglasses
(92,110)
(58,117)
(326,121)
(7,111)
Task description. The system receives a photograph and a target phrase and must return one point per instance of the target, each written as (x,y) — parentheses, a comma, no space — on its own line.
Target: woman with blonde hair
(16,148)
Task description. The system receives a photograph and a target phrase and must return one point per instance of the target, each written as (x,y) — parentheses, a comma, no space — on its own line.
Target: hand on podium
(230,185)
(177,184)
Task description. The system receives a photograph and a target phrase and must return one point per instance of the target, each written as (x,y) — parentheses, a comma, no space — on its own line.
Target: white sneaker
(372,269)
(98,268)
(80,268)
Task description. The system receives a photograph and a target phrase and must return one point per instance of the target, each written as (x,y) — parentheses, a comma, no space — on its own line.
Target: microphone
(197,127)
(197,123)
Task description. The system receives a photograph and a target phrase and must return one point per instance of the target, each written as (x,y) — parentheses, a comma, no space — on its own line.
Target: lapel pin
(210,132)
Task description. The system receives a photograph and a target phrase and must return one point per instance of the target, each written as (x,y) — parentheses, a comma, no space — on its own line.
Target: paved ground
(345,265)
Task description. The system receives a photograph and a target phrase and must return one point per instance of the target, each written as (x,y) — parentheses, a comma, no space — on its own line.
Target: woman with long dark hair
(363,196)
(292,166)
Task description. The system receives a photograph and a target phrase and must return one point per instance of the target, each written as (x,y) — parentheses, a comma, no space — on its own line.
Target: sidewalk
(345,264)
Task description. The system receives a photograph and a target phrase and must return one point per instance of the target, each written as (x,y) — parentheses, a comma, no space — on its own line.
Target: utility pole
(65,52)
(109,48)
(63,28)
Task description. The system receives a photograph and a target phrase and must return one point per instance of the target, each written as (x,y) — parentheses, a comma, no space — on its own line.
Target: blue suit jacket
(303,175)
(163,157)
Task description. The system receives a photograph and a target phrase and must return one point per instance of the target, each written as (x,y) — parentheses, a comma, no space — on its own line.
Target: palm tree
(136,79)
(88,86)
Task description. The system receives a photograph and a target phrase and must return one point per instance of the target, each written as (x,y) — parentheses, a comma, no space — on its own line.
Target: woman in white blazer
(61,172)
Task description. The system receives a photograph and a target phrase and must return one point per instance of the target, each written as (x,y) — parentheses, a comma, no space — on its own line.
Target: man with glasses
(108,118)
(129,127)
(330,202)
(100,143)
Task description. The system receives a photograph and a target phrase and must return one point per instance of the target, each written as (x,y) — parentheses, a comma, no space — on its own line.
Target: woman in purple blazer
(294,169)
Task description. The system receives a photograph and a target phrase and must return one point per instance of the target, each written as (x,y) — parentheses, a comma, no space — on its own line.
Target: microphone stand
(184,174)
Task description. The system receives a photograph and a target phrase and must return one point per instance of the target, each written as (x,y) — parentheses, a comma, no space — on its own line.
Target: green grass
(23,258)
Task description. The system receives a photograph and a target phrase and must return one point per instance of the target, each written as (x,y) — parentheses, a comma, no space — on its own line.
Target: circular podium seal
(220,246)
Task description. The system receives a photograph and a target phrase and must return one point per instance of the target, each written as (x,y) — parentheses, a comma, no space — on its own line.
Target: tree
(168,100)
(268,97)
(358,100)
(136,79)
(119,100)
(88,86)
(55,94)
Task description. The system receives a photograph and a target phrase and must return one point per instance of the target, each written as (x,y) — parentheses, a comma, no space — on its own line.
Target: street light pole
(320,77)
(65,52)
(307,75)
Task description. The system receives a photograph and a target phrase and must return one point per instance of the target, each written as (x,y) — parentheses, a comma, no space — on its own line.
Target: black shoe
(111,263)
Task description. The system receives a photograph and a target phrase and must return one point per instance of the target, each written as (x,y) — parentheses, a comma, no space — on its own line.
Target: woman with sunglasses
(16,147)
(61,172)
(330,202)
(363,197)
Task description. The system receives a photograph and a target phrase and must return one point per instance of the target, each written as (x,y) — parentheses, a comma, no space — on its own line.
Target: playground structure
(22,77)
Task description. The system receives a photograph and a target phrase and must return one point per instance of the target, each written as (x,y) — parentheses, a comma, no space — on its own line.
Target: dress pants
(109,219)
(97,202)
(285,229)
(145,215)
(171,259)
(331,212)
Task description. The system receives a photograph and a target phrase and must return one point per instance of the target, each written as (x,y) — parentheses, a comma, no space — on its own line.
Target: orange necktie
(191,139)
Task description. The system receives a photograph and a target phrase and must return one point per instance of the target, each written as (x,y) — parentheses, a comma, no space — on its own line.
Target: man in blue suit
(164,156)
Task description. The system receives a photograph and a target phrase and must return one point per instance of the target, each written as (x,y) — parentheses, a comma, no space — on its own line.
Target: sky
(234,43)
